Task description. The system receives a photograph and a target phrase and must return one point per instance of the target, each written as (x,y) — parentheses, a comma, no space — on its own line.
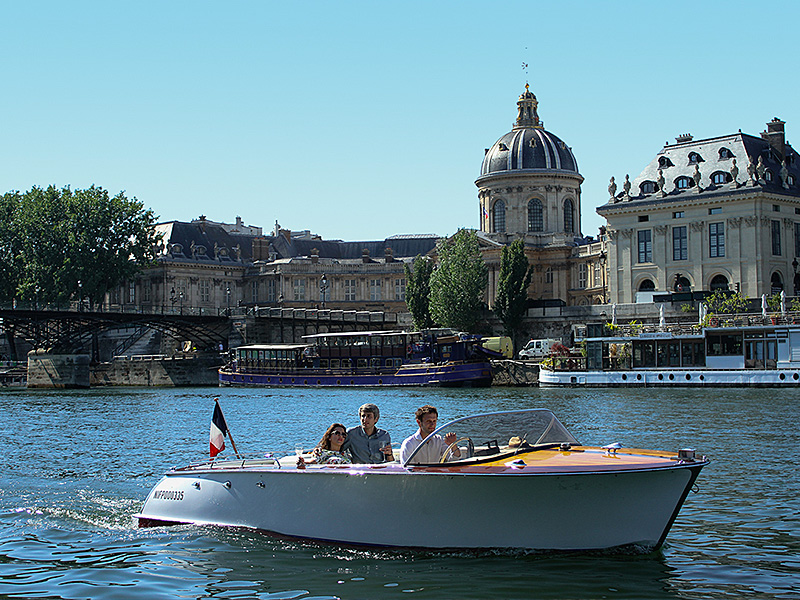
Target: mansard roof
(739,162)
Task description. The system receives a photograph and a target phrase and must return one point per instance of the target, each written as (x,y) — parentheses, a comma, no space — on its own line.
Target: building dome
(528,145)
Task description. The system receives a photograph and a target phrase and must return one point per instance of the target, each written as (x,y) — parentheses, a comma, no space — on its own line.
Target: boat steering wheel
(451,447)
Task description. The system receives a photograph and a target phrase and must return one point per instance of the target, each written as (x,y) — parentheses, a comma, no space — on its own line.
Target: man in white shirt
(434,448)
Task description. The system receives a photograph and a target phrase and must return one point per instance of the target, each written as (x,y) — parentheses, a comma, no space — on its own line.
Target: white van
(538,348)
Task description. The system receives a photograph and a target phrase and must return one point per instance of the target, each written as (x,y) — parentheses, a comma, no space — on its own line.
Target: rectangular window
(776,208)
(375,289)
(548,275)
(677,214)
(716,240)
(204,290)
(400,289)
(254,297)
(147,290)
(350,290)
(644,218)
(797,239)
(645,246)
(132,292)
(714,211)
(680,246)
(776,238)
(299,290)
(582,275)
(270,290)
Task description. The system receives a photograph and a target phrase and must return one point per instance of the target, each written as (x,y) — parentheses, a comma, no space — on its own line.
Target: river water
(77,465)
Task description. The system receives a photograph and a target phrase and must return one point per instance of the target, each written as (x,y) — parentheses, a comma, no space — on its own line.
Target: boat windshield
(486,435)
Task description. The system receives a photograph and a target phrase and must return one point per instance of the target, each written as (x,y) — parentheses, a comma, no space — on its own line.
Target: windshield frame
(553,423)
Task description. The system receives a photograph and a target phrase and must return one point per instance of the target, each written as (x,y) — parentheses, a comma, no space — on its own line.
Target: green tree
(459,282)
(9,246)
(65,236)
(725,302)
(512,287)
(418,291)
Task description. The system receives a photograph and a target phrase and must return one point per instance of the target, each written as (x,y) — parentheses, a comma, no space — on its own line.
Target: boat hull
(434,508)
(467,374)
(672,378)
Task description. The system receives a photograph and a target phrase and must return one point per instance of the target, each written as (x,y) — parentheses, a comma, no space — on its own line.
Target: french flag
(219,429)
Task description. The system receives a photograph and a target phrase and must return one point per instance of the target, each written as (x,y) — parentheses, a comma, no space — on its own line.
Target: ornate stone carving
(697,176)
(627,187)
(734,222)
(734,172)
(626,233)
(660,229)
(612,188)
(611,233)
(752,176)
(698,225)
(660,181)
(784,176)
(766,221)
(750,221)
(761,169)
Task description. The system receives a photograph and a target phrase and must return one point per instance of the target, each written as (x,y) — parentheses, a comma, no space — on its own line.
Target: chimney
(365,255)
(776,136)
(388,255)
(314,256)
(287,234)
(260,248)
(684,137)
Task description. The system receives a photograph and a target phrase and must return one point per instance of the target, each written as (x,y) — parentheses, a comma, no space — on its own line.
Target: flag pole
(227,427)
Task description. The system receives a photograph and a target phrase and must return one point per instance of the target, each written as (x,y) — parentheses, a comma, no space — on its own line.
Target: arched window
(647,286)
(695,158)
(682,284)
(648,187)
(569,216)
(725,153)
(664,162)
(768,177)
(535,215)
(683,183)
(499,217)
(720,177)
(719,282)
(776,283)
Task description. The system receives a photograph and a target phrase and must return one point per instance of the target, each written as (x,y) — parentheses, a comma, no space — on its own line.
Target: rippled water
(79,464)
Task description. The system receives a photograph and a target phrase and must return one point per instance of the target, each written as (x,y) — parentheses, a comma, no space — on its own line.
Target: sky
(362,120)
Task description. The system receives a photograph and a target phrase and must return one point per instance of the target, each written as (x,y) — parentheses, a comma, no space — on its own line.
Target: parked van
(538,349)
(503,345)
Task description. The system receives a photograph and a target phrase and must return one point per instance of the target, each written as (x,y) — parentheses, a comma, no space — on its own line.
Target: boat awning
(274,347)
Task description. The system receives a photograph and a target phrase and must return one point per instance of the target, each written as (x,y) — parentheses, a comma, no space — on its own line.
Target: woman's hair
(325,442)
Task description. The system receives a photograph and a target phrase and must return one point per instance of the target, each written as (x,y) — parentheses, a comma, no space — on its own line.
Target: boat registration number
(168,495)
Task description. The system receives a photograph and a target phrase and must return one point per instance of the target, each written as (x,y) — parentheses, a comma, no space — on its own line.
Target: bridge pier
(46,370)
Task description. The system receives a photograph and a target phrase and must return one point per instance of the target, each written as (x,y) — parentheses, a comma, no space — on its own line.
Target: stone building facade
(716,213)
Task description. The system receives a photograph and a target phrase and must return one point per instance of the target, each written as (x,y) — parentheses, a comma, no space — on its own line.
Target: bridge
(69,328)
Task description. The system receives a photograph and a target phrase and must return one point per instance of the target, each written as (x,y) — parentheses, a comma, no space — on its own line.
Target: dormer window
(664,162)
(502,147)
(683,183)
(720,177)
(790,180)
(695,158)
(725,153)
(648,187)
(768,177)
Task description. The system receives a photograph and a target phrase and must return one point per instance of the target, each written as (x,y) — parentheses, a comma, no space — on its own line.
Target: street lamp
(323,289)
(603,273)
(228,300)
(80,296)
(173,298)
(181,297)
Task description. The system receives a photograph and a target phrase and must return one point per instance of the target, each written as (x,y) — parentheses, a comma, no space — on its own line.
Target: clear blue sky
(359,120)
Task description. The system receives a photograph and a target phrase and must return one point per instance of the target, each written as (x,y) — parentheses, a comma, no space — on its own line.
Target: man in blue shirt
(367,443)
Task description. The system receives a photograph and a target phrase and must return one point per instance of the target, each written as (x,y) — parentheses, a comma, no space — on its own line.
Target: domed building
(530,188)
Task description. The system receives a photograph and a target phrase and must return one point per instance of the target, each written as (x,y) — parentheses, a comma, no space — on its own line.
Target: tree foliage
(418,291)
(53,238)
(459,282)
(512,287)
(725,302)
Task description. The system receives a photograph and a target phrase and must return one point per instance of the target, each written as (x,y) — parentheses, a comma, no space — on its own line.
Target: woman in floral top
(329,449)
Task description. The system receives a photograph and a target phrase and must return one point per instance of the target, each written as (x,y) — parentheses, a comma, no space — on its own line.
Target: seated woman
(329,449)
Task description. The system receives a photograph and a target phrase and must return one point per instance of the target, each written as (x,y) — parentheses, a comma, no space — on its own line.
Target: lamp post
(173,298)
(603,273)
(181,297)
(80,296)
(323,289)
(228,300)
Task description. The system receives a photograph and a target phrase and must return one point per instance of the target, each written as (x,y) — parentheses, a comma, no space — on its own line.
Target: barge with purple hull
(364,358)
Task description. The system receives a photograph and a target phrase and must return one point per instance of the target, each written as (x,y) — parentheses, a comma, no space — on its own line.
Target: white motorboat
(522,482)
